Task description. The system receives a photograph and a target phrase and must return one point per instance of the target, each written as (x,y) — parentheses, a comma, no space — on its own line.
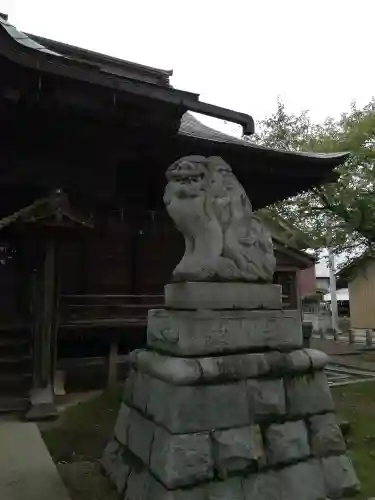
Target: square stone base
(202,332)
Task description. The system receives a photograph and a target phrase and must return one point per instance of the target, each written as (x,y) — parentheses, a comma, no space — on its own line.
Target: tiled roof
(192,127)
(104,63)
(24,39)
(108,64)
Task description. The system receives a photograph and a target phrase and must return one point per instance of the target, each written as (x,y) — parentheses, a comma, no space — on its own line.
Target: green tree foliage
(342,214)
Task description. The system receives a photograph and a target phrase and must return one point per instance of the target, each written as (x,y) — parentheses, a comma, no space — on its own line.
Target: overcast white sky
(241,54)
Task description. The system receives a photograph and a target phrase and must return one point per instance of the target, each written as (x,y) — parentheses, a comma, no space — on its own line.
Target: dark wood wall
(161,248)
(9,283)
(127,252)
(123,256)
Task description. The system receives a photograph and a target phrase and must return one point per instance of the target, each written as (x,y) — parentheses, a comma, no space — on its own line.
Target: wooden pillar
(45,312)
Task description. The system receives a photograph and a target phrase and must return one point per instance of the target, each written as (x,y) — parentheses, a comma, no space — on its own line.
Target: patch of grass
(83,430)
(356,403)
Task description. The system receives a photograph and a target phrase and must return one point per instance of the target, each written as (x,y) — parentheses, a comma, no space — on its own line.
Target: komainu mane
(224,240)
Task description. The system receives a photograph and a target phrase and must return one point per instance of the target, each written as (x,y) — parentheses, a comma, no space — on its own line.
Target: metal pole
(332,283)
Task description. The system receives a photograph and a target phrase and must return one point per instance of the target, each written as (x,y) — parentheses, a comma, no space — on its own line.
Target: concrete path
(27,471)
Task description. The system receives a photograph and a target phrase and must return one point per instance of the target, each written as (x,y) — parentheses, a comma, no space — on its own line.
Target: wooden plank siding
(362,297)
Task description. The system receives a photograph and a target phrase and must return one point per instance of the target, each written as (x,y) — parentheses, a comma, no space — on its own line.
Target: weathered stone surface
(229,367)
(262,487)
(303,481)
(206,295)
(138,485)
(234,366)
(210,332)
(142,486)
(308,394)
(119,474)
(109,455)
(159,395)
(181,460)
(298,361)
(326,435)
(140,392)
(183,409)
(277,362)
(319,359)
(287,442)
(140,436)
(238,449)
(174,370)
(340,477)
(114,466)
(215,407)
(190,371)
(266,398)
(230,489)
(127,395)
(122,424)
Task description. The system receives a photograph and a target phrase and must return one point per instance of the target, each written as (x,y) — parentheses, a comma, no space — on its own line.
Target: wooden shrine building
(85,242)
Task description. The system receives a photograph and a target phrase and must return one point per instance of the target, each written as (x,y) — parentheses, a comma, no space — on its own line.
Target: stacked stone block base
(227,405)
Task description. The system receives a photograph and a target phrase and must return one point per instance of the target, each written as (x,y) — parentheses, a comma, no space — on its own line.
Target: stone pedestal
(227,405)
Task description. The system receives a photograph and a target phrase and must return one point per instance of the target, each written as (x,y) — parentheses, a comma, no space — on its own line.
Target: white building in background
(319,314)
(322,283)
(342,295)
(322,276)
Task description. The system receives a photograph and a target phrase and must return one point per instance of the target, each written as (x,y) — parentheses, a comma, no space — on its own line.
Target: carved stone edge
(192,371)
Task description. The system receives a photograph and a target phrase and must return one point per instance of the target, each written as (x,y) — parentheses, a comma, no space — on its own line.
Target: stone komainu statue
(224,240)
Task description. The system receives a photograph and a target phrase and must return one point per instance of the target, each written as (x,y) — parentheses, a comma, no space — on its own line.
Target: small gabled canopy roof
(301,259)
(54,210)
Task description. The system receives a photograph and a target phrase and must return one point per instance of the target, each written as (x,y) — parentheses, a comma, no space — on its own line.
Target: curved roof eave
(191,127)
